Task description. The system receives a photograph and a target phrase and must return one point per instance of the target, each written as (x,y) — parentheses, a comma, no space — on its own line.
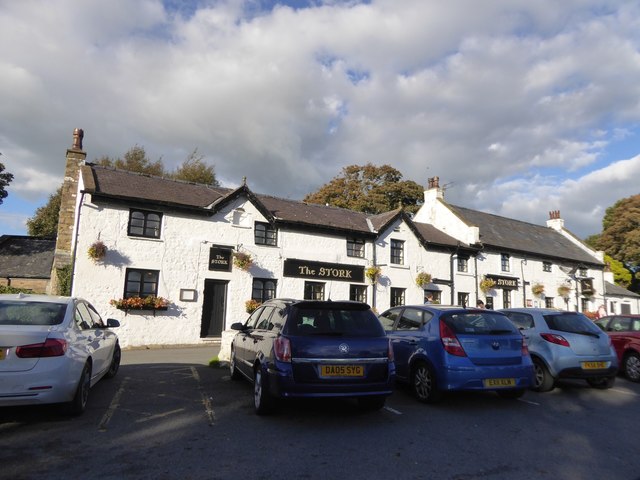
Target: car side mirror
(237,326)
(112,323)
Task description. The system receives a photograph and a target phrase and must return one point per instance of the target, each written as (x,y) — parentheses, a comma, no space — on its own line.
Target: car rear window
(570,322)
(349,322)
(16,312)
(479,323)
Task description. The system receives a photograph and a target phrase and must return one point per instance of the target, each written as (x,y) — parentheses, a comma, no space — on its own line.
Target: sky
(519,107)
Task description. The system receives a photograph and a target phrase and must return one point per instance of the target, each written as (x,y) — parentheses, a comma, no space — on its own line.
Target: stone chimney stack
(555,221)
(433,190)
(66,220)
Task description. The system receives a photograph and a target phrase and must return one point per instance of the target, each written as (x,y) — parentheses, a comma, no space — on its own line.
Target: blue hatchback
(291,348)
(439,349)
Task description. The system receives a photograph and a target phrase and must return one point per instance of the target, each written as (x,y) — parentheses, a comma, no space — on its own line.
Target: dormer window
(265,234)
(355,247)
(143,223)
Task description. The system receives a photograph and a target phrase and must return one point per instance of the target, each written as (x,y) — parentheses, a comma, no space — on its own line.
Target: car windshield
(479,323)
(319,321)
(17,312)
(571,322)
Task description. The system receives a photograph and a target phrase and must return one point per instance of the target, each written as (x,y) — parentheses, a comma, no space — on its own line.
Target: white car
(53,350)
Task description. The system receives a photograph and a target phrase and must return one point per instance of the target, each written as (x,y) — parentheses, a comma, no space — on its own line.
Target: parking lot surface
(169,415)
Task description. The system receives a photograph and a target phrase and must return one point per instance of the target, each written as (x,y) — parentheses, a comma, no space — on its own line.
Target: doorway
(214,307)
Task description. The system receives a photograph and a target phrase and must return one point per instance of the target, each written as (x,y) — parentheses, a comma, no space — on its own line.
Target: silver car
(565,345)
(53,350)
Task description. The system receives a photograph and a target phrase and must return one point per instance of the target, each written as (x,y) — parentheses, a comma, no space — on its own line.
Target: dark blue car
(291,348)
(439,349)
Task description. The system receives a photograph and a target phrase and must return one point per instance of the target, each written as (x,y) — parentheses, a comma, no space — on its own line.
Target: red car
(624,331)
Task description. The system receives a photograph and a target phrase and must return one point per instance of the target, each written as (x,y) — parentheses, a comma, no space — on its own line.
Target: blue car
(442,348)
(290,348)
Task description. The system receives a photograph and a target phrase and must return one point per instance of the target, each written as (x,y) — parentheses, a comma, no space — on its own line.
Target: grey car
(565,345)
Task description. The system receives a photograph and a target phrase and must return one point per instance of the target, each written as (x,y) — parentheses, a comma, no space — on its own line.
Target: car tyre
(115,362)
(511,393)
(263,401)
(78,405)
(233,369)
(372,403)
(631,366)
(602,382)
(423,383)
(542,379)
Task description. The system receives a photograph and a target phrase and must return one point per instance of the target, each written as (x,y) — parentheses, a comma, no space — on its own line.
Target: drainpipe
(75,242)
(523,262)
(373,285)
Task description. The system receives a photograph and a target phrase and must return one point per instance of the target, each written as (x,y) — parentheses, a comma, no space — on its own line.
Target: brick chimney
(433,190)
(555,221)
(66,220)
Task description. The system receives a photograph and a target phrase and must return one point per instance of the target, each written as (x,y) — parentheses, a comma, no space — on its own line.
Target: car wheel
(423,382)
(115,362)
(78,405)
(372,403)
(233,369)
(511,393)
(631,367)
(263,401)
(601,382)
(542,381)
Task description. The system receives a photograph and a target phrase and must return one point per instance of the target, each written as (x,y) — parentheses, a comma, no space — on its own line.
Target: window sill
(140,310)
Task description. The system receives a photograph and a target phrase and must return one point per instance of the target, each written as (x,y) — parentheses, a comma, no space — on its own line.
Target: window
(141,283)
(463,299)
(506,298)
(584,304)
(397,296)
(388,318)
(548,302)
(143,223)
(313,291)
(411,319)
(355,247)
(397,252)
(504,262)
(263,321)
(358,293)
(263,289)
(265,234)
(463,264)
(436,296)
(546,266)
(582,272)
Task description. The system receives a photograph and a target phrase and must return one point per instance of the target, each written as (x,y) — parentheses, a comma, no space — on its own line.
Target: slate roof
(514,235)
(617,291)
(432,235)
(26,257)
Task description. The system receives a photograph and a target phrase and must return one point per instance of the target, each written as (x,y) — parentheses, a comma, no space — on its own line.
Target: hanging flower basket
(97,251)
(537,289)
(423,279)
(242,260)
(373,273)
(564,290)
(140,303)
(487,284)
(251,305)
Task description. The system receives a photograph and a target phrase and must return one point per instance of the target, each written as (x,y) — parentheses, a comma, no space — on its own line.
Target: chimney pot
(78,133)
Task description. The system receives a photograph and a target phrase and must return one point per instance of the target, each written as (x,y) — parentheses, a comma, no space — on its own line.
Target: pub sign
(323,271)
(220,259)
(505,283)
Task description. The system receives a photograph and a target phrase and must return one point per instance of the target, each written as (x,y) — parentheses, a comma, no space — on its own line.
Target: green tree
(135,160)
(44,222)
(620,237)
(621,275)
(193,169)
(370,189)
(5,180)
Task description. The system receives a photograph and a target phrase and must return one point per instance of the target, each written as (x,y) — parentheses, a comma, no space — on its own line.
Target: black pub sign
(323,271)
(506,283)
(220,259)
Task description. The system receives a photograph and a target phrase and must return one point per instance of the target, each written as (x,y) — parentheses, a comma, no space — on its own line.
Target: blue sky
(519,107)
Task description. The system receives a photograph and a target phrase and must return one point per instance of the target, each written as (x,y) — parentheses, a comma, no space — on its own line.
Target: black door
(213,308)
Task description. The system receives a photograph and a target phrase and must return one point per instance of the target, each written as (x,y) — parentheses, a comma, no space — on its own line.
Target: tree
(621,275)
(44,222)
(135,160)
(193,169)
(370,189)
(620,237)
(5,180)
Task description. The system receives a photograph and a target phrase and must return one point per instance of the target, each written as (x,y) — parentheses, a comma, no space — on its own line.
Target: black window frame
(314,290)
(265,234)
(397,296)
(147,224)
(505,262)
(546,266)
(397,252)
(358,293)
(436,296)
(355,247)
(139,292)
(463,264)
(506,298)
(261,290)
(463,299)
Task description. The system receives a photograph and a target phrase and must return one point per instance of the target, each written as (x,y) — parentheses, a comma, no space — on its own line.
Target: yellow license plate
(499,382)
(594,365)
(341,371)
(3,353)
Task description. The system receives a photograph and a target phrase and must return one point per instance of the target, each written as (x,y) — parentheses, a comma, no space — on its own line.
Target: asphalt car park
(168,414)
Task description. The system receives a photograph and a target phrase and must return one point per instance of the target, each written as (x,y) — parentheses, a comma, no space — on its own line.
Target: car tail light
(525,348)
(282,349)
(450,341)
(557,339)
(390,354)
(52,347)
